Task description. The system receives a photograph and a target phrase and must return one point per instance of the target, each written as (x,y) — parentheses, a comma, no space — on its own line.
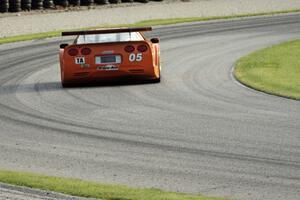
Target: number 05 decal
(136,57)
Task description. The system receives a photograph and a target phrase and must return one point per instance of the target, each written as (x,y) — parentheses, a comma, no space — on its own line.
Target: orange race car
(97,55)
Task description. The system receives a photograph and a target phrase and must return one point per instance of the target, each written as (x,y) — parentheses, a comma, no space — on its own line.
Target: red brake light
(129,48)
(86,51)
(142,48)
(73,52)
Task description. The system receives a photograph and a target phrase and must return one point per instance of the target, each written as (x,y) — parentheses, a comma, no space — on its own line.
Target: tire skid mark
(221,155)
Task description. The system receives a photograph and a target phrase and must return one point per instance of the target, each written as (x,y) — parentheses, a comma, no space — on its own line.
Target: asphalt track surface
(198,131)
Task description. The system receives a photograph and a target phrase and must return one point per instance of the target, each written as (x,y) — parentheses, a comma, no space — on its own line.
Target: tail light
(73,52)
(129,48)
(86,51)
(142,48)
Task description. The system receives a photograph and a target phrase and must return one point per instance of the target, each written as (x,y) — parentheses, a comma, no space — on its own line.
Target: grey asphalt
(10,192)
(198,131)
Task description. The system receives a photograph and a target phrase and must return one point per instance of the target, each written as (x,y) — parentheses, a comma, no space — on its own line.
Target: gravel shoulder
(25,23)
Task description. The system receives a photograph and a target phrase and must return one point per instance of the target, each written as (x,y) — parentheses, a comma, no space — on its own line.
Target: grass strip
(274,70)
(141,23)
(76,187)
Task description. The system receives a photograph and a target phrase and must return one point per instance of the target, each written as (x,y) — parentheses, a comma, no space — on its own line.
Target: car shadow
(56,86)
(110,83)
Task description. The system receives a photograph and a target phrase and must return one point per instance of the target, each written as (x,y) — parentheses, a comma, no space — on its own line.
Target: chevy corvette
(99,55)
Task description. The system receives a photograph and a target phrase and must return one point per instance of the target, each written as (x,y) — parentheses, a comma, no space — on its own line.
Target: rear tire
(63,82)
(157,80)
(65,85)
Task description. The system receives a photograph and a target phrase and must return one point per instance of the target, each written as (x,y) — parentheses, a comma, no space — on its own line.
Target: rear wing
(103,31)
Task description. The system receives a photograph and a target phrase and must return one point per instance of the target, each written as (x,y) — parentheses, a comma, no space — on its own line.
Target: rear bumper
(82,76)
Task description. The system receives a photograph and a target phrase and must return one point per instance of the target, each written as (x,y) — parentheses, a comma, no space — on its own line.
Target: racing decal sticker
(108,68)
(136,57)
(79,60)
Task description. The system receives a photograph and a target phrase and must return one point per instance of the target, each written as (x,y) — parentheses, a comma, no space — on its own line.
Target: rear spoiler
(103,31)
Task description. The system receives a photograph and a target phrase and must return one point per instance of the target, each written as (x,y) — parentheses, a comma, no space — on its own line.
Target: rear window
(110,37)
